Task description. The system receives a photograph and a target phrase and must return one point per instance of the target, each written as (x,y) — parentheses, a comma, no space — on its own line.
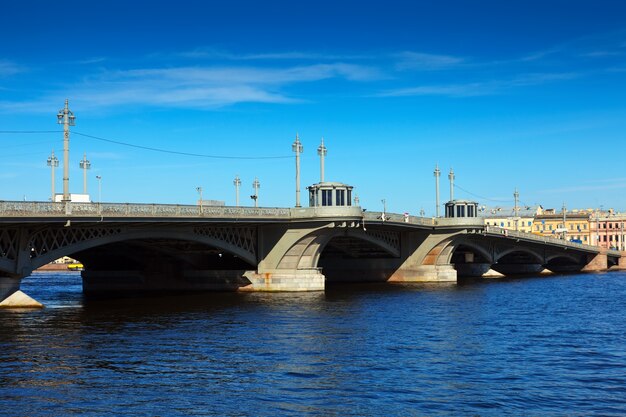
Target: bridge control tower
(461,208)
(328,194)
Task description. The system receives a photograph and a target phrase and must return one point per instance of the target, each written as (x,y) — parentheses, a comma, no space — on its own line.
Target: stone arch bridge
(149,247)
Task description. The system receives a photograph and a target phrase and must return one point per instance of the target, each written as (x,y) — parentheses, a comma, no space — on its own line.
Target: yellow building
(508,218)
(575,227)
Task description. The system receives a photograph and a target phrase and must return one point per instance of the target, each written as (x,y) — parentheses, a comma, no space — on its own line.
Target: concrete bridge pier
(12,297)
(425,273)
(596,262)
(285,280)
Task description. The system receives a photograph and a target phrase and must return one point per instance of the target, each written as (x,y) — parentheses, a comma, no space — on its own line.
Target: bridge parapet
(19,209)
(530,237)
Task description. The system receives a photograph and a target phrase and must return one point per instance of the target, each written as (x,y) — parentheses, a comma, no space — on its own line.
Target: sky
(169,97)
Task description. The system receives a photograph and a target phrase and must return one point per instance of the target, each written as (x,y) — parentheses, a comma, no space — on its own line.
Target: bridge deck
(32,211)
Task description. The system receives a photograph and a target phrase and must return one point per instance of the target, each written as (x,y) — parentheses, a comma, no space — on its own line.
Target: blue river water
(549,346)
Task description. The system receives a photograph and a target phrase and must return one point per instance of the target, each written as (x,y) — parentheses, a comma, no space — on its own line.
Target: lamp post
(237,184)
(67,119)
(298,149)
(85,165)
(53,163)
(451,178)
(384,201)
(199,190)
(99,178)
(322,152)
(256,185)
(564,221)
(516,209)
(437,175)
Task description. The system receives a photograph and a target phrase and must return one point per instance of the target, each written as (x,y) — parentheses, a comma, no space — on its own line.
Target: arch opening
(470,261)
(519,262)
(165,265)
(564,264)
(350,259)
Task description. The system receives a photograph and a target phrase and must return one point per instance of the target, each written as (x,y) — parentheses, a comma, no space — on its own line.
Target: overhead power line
(199,155)
(149,148)
(481,197)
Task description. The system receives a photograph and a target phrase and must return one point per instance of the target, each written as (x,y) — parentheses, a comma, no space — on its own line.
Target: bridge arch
(508,252)
(46,246)
(306,252)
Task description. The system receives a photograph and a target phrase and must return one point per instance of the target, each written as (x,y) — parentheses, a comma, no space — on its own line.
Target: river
(530,346)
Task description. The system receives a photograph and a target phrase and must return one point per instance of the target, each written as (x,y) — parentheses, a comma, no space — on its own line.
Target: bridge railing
(377,216)
(494,230)
(10,209)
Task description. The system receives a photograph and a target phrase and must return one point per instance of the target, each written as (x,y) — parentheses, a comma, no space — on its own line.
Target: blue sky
(526,94)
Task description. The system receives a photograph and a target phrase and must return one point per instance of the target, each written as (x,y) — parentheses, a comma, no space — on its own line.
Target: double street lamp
(53,163)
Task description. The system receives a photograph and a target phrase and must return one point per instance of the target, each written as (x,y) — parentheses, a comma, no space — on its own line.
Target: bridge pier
(596,262)
(425,273)
(12,297)
(285,280)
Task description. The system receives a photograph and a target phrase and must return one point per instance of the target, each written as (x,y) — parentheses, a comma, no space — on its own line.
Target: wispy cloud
(479,88)
(218,54)
(195,87)
(8,68)
(421,61)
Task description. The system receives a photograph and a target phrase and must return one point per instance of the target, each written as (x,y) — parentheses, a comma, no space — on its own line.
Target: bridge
(157,247)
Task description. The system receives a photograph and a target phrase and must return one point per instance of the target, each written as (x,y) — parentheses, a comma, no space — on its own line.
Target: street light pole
(384,201)
(564,220)
(516,209)
(437,175)
(53,163)
(256,185)
(451,178)
(99,178)
(237,183)
(199,190)
(67,119)
(322,151)
(85,165)
(297,148)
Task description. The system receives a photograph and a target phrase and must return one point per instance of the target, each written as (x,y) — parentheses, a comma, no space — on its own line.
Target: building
(509,218)
(608,230)
(573,226)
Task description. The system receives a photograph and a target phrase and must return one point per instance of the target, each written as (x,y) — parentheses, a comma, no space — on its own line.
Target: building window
(340,198)
(349,197)
(327,197)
